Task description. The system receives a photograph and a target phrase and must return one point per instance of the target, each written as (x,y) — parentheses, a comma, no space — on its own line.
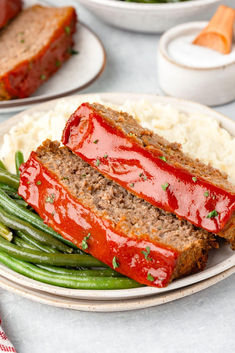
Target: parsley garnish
(43,77)
(206,193)
(165,186)
(72,51)
(145,178)
(163,158)
(22,41)
(194,179)
(212,214)
(57,63)
(67,29)
(84,175)
(140,174)
(50,198)
(39,182)
(105,156)
(150,277)
(65,178)
(97,163)
(115,262)
(132,185)
(96,141)
(84,241)
(146,253)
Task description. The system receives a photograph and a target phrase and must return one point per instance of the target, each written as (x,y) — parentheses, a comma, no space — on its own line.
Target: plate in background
(78,72)
(152,18)
(219,261)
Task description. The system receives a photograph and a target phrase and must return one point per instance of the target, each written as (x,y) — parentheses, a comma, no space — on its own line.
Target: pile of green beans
(31,248)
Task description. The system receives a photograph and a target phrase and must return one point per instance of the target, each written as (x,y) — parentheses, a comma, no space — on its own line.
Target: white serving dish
(218,262)
(210,85)
(153,18)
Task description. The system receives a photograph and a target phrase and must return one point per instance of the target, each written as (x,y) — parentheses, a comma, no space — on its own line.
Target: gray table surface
(204,322)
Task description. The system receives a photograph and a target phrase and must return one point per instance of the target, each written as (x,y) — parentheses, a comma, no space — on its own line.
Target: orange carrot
(218,35)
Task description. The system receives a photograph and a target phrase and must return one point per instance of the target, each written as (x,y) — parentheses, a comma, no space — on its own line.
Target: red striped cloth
(5,344)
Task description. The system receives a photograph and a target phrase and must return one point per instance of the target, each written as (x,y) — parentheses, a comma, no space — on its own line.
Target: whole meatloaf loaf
(8,10)
(152,168)
(33,47)
(101,217)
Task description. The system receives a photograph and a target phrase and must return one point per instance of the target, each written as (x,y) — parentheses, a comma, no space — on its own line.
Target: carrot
(218,35)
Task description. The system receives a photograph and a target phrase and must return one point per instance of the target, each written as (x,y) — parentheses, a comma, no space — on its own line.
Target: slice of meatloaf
(33,47)
(8,10)
(152,168)
(125,232)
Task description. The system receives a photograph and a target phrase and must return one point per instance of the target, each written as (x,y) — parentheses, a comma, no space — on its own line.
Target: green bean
(35,244)
(19,159)
(21,243)
(5,232)
(23,213)
(39,257)
(17,224)
(9,179)
(90,273)
(60,280)
(21,202)
(10,191)
(2,165)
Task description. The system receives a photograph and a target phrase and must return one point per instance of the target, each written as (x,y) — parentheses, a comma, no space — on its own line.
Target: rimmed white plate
(151,17)
(219,260)
(111,306)
(77,73)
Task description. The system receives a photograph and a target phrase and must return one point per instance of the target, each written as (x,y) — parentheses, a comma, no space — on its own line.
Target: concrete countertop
(204,322)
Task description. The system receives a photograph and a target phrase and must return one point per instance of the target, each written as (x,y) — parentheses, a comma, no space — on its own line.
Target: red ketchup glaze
(8,10)
(24,79)
(66,215)
(141,171)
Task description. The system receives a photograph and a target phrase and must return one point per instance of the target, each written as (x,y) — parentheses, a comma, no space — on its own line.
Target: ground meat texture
(33,47)
(125,212)
(152,168)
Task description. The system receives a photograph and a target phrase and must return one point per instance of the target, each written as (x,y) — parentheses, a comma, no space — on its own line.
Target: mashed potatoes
(201,136)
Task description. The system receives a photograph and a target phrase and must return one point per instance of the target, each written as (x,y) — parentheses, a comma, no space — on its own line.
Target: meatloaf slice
(125,232)
(33,47)
(152,168)
(8,10)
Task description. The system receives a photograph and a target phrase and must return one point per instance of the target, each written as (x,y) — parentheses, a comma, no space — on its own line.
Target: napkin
(5,344)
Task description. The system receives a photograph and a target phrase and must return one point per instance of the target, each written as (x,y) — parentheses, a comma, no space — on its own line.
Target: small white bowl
(210,84)
(152,18)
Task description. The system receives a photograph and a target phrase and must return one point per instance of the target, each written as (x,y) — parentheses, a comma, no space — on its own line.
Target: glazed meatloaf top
(172,151)
(17,41)
(8,10)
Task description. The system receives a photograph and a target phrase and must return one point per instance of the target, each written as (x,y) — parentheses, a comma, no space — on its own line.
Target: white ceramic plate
(219,261)
(152,18)
(77,73)
(111,306)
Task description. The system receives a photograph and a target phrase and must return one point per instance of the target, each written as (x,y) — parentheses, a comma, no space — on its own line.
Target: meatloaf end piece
(33,47)
(8,10)
(152,168)
(148,244)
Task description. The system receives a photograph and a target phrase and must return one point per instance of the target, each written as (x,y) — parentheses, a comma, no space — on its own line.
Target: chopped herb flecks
(165,186)
(84,241)
(163,158)
(72,51)
(150,277)
(206,193)
(22,41)
(97,163)
(67,29)
(96,141)
(65,178)
(194,179)
(132,185)
(140,174)
(43,77)
(115,262)
(146,253)
(144,177)
(57,63)
(50,198)
(105,156)
(39,182)
(212,214)
(83,175)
